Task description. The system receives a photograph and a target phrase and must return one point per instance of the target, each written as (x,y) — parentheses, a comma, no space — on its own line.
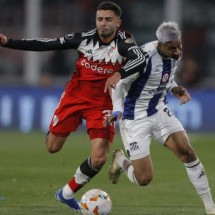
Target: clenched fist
(3,39)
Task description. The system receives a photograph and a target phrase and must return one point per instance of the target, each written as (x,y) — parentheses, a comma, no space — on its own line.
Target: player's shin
(83,175)
(127,168)
(130,174)
(198,178)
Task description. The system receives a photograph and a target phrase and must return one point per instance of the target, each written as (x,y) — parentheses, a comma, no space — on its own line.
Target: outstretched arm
(182,94)
(42,44)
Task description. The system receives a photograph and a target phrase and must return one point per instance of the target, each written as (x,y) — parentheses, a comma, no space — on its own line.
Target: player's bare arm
(182,94)
(111,82)
(3,39)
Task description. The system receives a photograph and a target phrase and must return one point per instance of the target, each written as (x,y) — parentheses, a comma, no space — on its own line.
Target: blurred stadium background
(31,83)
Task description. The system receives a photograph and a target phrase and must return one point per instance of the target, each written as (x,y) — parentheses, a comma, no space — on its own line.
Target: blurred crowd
(140,17)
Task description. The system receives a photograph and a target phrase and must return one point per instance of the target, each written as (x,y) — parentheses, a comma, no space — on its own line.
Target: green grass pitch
(30,176)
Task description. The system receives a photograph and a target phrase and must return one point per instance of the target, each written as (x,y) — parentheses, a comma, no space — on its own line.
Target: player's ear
(119,22)
(159,44)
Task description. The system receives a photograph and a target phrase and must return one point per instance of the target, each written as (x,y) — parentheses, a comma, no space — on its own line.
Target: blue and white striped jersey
(144,92)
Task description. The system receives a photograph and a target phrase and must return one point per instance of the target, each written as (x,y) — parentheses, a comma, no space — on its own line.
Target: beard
(105,34)
(175,57)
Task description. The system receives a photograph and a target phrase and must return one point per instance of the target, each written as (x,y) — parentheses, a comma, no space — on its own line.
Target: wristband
(116,114)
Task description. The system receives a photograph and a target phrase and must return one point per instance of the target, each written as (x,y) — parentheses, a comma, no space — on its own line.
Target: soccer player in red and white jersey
(102,51)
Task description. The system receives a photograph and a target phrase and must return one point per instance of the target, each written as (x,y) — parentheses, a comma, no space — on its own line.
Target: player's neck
(107,40)
(162,54)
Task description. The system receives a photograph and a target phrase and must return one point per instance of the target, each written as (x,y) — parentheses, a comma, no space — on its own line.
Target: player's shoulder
(150,48)
(89,33)
(81,34)
(123,35)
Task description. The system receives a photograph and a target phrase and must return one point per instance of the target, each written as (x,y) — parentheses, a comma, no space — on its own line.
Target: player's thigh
(95,116)
(68,115)
(94,123)
(166,124)
(66,119)
(136,136)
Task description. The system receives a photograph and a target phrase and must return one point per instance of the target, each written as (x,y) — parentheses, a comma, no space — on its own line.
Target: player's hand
(112,81)
(113,117)
(3,39)
(182,94)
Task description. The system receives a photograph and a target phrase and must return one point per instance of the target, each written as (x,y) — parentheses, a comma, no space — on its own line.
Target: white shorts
(137,134)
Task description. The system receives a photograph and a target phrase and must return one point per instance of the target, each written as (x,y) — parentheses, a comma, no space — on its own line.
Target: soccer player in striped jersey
(139,101)
(102,51)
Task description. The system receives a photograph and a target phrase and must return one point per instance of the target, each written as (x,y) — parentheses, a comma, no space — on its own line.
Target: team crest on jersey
(55,120)
(165,78)
(129,40)
(111,50)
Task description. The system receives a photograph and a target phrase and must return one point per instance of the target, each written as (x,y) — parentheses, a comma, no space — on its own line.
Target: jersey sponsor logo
(96,68)
(162,86)
(159,90)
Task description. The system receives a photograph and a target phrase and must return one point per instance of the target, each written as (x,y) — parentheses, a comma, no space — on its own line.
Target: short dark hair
(109,5)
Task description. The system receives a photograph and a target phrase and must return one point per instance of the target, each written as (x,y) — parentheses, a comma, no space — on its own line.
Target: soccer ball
(95,202)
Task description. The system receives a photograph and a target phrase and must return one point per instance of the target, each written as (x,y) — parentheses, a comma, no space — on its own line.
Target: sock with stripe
(82,176)
(198,178)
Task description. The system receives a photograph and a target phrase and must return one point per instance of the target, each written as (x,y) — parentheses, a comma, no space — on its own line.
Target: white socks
(195,172)
(127,167)
(198,178)
(67,192)
(77,181)
(130,174)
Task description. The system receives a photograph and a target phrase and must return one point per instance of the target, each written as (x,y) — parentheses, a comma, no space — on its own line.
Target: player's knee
(97,163)
(53,147)
(188,155)
(144,180)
